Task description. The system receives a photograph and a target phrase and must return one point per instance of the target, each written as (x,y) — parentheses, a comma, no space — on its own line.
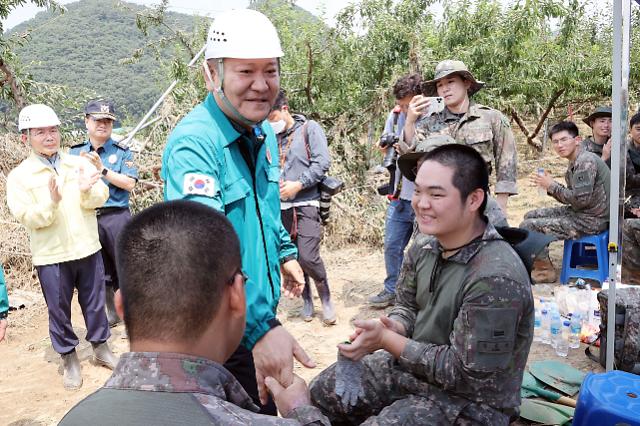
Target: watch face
(105,171)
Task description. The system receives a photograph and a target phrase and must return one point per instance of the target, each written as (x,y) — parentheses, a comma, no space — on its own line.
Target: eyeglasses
(239,271)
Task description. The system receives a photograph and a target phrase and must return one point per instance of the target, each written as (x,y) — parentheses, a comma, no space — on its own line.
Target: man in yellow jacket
(54,195)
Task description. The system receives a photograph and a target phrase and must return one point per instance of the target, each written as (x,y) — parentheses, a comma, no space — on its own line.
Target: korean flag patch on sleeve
(197,184)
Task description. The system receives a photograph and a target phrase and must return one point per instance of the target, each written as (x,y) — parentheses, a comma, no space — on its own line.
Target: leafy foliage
(86,49)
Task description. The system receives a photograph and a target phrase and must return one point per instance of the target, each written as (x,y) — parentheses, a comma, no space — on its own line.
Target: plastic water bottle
(562,346)
(556,329)
(576,329)
(545,320)
(537,326)
(541,190)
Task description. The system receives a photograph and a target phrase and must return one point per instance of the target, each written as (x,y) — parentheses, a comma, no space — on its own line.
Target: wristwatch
(104,171)
(4,315)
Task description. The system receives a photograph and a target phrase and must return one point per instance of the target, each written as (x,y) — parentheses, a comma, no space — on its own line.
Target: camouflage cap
(449,67)
(100,108)
(601,111)
(408,163)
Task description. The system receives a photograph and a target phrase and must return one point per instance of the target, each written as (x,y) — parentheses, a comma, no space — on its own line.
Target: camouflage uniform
(631,251)
(470,320)
(483,128)
(632,185)
(590,145)
(587,196)
(489,132)
(209,386)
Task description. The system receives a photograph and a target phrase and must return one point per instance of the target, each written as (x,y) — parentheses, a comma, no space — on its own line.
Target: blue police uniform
(115,214)
(209,160)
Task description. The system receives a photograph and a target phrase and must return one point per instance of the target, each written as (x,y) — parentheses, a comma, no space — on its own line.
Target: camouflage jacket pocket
(490,337)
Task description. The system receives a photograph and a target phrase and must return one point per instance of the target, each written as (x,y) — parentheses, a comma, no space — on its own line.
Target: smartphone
(436,105)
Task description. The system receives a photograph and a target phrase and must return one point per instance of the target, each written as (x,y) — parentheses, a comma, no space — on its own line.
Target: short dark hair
(281,101)
(409,85)
(470,171)
(561,126)
(173,261)
(635,119)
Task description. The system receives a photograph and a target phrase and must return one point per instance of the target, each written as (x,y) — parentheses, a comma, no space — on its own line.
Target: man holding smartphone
(485,129)
(399,221)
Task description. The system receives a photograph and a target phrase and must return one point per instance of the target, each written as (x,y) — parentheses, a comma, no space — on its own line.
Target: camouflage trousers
(393,396)
(563,223)
(631,251)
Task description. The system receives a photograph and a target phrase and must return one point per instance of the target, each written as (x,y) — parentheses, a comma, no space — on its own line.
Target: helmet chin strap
(236,116)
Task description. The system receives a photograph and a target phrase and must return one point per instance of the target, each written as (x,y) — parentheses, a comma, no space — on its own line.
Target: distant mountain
(83,47)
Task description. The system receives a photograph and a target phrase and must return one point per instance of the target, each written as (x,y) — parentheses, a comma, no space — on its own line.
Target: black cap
(100,108)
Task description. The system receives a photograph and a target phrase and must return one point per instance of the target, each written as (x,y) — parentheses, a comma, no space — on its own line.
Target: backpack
(627,330)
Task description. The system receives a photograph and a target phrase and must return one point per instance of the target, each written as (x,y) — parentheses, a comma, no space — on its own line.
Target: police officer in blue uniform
(119,172)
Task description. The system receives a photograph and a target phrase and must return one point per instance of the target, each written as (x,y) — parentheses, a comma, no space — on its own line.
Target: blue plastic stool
(580,252)
(608,399)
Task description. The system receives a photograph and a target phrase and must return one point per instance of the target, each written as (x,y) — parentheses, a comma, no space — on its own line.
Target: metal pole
(155,106)
(620,97)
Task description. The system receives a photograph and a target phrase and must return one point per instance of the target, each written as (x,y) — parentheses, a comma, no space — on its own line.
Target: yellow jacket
(58,232)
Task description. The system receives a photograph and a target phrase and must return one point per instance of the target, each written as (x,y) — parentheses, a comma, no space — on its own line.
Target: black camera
(388,140)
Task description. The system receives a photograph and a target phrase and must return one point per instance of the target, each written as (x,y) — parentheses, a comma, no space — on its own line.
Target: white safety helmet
(35,116)
(242,34)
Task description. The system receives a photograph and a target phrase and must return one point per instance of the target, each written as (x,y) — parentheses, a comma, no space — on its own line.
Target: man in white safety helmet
(225,155)
(54,195)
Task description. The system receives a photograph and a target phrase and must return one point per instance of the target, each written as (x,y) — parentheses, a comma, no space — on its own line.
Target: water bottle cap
(544,312)
(566,323)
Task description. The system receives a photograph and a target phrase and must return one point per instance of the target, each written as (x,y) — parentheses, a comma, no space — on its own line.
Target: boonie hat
(100,108)
(601,111)
(407,163)
(447,68)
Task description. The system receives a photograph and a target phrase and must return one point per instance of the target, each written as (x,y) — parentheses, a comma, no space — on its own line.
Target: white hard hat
(35,116)
(242,34)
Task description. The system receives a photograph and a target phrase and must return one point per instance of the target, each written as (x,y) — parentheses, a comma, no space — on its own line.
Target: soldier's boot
(110,307)
(103,356)
(307,299)
(328,312)
(543,270)
(72,373)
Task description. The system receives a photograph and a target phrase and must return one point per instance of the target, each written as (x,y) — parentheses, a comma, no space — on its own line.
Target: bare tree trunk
(307,89)
(16,90)
(531,135)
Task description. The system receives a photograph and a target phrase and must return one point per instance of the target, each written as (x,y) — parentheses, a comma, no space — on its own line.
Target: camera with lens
(388,140)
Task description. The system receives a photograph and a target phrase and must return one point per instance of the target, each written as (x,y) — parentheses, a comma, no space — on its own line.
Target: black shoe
(382,299)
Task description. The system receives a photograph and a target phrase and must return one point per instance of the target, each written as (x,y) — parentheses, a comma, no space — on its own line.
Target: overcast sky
(197,7)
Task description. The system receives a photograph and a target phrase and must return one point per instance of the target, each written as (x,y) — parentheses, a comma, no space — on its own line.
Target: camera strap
(284,151)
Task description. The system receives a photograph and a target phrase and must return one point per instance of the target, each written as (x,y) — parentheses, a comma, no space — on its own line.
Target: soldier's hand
(87,179)
(292,279)
(54,190)
(418,105)
(606,151)
(541,180)
(393,325)
(273,357)
(94,159)
(368,338)
(290,397)
(635,211)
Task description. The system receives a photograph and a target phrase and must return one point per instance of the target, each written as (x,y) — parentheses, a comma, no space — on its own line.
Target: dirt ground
(31,391)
